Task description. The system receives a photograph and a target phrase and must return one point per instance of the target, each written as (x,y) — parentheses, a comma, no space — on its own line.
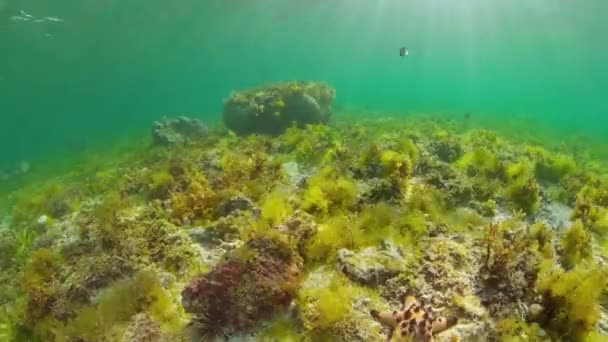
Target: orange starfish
(414,322)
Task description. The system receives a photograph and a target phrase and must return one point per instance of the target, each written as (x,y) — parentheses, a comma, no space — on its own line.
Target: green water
(112,67)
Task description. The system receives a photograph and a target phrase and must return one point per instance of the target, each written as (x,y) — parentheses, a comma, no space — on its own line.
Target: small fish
(403,52)
(18,18)
(39,20)
(25,14)
(54,19)
(467,115)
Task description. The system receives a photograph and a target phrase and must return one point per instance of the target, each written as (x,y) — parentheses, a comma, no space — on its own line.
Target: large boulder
(271,109)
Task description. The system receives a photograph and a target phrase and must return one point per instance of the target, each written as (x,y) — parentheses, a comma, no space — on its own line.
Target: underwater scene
(321,170)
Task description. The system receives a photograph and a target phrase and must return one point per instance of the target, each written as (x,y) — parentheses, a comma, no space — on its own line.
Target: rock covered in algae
(371,266)
(273,108)
(252,284)
(178,131)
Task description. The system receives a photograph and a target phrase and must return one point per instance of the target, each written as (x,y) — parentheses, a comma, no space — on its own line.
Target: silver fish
(54,19)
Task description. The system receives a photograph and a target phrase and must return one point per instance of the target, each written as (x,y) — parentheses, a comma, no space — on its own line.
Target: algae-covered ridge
(312,233)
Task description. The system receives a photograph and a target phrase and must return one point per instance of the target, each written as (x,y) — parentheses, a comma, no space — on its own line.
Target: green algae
(135,213)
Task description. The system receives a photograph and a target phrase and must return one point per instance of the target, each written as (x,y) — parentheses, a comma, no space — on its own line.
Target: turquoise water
(111,67)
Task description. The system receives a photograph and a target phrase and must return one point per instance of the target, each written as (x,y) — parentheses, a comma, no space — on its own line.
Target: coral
(273,108)
(255,282)
(178,131)
(571,300)
(576,245)
(414,321)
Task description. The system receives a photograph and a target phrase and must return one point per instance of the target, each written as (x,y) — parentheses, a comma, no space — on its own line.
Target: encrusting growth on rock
(414,322)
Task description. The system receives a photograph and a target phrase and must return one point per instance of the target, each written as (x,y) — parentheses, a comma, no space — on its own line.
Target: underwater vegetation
(314,232)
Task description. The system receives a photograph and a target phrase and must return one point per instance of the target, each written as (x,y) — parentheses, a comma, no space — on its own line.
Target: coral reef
(273,108)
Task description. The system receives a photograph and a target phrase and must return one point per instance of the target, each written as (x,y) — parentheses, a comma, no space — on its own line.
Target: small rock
(235,205)
(42,220)
(371,266)
(555,215)
(535,311)
(200,235)
(178,131)
(294,173)
(379,190)
(142,328)
(301,227)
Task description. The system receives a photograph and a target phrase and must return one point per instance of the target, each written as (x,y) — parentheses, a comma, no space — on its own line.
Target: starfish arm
(387,318)
(408,301)
(442,324)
